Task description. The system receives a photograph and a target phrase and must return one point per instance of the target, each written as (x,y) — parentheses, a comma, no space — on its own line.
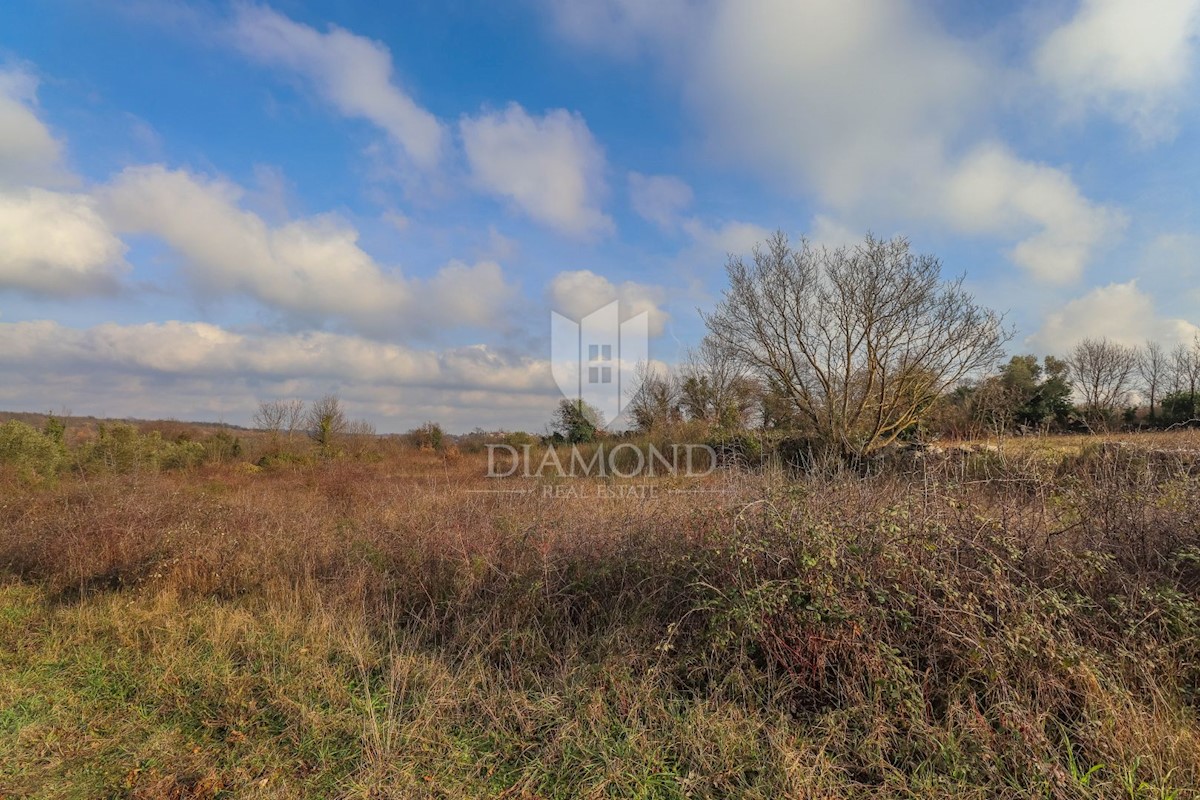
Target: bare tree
(279,417)
(862,340)
(1152,367)
(326,421)
(360,436)
(1185,364)
(655,403)
(717,388)
(360,427)
(1102,371)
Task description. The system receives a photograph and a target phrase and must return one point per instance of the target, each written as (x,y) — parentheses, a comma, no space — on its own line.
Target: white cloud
(1120,311)
(737,238)
(578,293)
(312,268)
(499,247)
(29,152)
(1128,58)
(855,96)
(353,73)
(994,191)
(870,105)
(550,167)
(56,244)
(1169,267)
(829,232)
(659,198)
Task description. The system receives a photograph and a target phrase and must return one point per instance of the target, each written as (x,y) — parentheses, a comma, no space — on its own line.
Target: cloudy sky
(208,204)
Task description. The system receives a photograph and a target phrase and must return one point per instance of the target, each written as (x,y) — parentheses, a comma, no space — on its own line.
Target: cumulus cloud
(1124,57)
(578,293)
(312,268)
(1120,311)
(352,73)
(550,167)
(29,152)
(56,244)
(660,199)
(870,105)
(994,191)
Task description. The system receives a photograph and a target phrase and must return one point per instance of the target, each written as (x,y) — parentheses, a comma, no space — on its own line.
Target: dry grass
(1001,624)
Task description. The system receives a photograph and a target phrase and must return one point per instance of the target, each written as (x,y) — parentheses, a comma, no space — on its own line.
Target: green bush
(222,448)
(33,453)
(121,448)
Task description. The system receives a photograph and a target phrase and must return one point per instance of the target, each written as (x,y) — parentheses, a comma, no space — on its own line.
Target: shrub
(120,448)
(429,436)
(33,453)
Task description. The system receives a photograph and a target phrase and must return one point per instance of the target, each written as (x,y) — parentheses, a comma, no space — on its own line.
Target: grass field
(1020,623)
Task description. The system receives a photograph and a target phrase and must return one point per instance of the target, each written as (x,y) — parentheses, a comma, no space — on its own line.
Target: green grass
(124,695)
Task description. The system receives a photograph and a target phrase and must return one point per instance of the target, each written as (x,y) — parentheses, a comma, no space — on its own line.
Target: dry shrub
(935,628)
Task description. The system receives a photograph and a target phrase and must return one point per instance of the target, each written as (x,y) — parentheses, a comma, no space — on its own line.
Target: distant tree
(1036,394)
(1185,365)
(326,421)
(279,417)
(717,388)
(655,403)
(429,436)
(1152,366)
(576,421)
(863,341)
(1102,371)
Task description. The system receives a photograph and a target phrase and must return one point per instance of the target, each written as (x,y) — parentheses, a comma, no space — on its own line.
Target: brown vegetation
(1018,621)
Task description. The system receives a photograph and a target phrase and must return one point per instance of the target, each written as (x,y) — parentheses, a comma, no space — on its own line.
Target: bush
(429,436)
(120,448)
(33,453)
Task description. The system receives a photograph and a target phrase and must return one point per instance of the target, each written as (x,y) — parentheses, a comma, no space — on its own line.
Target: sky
(206,205)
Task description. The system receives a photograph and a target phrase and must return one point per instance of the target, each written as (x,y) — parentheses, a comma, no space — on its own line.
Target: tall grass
(993,624)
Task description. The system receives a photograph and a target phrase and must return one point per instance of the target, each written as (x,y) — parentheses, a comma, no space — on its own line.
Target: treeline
(858,348)
(1100,385)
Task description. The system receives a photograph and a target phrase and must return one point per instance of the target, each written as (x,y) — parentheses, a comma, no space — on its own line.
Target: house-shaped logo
(596,359)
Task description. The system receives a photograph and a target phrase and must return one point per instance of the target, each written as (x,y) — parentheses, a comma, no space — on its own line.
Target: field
(1023,622)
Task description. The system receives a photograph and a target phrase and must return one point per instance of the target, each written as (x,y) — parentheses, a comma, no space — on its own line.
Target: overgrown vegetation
(1016,623)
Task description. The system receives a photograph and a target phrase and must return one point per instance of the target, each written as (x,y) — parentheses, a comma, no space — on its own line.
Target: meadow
(1016,620)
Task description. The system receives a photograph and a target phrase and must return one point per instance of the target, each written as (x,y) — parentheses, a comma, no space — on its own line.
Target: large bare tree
(1102,371)
(862,340)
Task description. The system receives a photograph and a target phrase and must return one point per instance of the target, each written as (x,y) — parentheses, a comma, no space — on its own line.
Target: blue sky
(203,205)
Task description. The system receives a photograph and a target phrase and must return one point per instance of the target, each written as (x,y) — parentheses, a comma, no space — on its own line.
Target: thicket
(931,633)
